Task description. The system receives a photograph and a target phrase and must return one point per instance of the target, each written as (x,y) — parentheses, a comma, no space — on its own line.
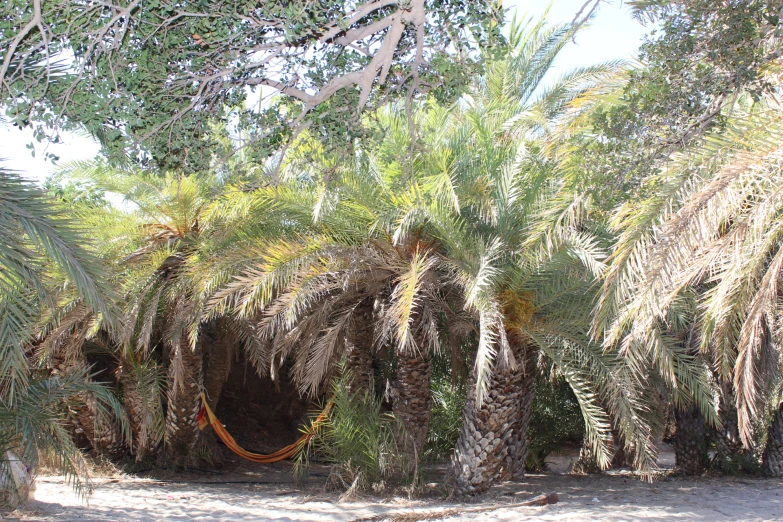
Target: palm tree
(44,265)
(153,246)
(315,291)
(451,224)
(518,239)
(709,225)
(772,457)
(61,349)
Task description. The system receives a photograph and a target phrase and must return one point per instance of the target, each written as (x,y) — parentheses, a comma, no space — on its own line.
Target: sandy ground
(268,493)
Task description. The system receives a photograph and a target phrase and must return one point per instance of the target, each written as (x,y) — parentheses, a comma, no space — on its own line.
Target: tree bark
(586,463)
(183,402)
(219,348)
(772,458)
(411,398)
(620,458)
(145,442)
(690,441)
(730,454)
(359,347)
(493,439)
(518,444)
(103,436)
(219,351)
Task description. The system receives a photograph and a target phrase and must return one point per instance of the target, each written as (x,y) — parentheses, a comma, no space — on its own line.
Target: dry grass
(97,467)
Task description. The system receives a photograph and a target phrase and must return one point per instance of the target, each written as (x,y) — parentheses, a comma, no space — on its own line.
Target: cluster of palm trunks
(493,441)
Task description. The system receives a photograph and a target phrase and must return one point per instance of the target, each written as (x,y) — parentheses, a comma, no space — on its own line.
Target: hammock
(207,418)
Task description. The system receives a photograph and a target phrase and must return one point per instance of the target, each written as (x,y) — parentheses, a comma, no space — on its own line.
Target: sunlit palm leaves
(712,222)
(524,229)
(43,257)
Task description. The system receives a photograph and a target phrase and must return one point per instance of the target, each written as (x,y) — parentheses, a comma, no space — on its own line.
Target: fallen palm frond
(540,500)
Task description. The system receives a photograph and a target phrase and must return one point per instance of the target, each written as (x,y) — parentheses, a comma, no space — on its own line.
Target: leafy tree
(75,194)
(44,264)
(518,236)
(450,225)
(700,58)
(343,258)
(152,248)
(709,227)
(175,66)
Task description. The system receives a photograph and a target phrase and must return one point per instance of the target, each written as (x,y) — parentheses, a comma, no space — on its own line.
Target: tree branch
(34,22)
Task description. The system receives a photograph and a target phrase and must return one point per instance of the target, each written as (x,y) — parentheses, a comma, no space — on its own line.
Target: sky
(612,35)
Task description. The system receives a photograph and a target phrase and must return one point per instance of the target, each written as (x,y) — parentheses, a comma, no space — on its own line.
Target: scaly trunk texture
(492,442)
(411,398)
(359,347)
(104,436)
(219,344)
(690,441)
(183,402)
(108,439)
(144,441)
(772,458)
(730,454)
(620,458)
(517,449)
(586,463)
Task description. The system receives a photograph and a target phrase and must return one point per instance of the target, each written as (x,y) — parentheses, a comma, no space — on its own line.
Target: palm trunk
(518,444)
(220,343)
(411,397)
(145,442)
(183,401)
(586,463)
(103,435)
(359,348)
(108,439)
(690,441)
(730,454)
(620,457)
(492,442)
(773,453)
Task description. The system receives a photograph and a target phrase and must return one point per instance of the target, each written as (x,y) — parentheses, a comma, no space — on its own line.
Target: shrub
(556,419)
(357,439)
(448,403)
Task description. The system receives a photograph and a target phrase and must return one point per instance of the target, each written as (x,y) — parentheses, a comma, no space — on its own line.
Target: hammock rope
(207,418)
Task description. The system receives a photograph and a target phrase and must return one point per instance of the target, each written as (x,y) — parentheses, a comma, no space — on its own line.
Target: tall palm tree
(154,244)
(709,225)
(448,224)
(518,236)
(44,264)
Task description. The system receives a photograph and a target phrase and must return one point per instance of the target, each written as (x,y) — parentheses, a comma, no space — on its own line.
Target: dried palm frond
(713,224)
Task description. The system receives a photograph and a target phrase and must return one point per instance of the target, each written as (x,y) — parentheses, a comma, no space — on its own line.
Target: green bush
(358,440)
(448,403)
(556,419)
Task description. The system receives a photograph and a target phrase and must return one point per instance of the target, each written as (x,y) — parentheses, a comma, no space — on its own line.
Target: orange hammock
(281,454)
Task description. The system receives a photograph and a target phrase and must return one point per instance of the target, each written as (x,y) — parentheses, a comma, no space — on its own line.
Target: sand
(268,493)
